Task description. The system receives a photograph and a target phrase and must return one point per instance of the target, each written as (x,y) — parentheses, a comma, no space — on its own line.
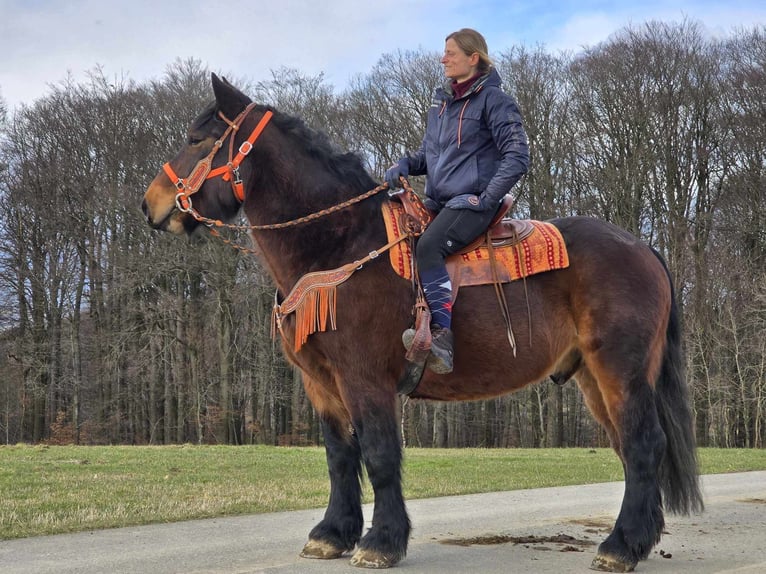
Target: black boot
(440,358)
(440,361)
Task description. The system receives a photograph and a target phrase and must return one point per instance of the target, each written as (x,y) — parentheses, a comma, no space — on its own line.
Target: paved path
(729,537)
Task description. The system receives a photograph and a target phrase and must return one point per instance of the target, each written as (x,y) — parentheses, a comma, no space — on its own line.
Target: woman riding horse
(474,152)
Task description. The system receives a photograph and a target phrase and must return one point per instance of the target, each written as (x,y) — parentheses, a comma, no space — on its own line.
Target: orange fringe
(313,300)
(313,313)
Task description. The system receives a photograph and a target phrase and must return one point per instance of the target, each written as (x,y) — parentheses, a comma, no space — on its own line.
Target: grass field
(47,490)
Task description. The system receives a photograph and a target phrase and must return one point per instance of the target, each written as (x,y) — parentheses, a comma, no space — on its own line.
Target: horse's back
(613,265)
(590,235)
(614,292)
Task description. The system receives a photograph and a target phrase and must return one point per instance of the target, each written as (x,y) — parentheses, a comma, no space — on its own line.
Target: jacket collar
(492,78)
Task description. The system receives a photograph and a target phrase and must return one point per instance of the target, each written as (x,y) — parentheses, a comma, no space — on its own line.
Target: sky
(44,42)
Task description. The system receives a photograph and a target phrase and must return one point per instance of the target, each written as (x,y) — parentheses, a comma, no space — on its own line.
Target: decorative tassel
(313,313)
(313,299)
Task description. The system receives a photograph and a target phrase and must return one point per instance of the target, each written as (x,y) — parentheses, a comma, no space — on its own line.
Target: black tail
(678,472)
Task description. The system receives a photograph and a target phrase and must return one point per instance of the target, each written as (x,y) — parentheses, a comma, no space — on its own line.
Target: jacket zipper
(460,122)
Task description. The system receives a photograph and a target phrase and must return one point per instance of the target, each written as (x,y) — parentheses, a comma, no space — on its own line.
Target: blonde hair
(470,42)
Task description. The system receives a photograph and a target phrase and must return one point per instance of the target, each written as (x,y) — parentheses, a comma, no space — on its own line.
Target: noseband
(229,172)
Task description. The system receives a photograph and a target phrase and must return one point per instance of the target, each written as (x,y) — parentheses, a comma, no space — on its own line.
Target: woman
(474,151)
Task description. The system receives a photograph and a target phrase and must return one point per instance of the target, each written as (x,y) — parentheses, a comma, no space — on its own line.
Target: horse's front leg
(375,422)
(341,527)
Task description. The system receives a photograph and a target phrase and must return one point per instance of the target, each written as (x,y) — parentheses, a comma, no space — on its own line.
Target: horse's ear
(229,99)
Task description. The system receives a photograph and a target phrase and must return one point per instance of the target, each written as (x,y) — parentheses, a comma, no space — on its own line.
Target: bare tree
(387,108)
(112,333)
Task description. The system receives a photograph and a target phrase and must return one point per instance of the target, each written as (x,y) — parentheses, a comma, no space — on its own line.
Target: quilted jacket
(475,147)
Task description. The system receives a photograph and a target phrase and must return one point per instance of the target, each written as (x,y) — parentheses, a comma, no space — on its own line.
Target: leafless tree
(112,333)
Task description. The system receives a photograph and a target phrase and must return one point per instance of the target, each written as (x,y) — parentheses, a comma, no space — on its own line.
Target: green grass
(47,490)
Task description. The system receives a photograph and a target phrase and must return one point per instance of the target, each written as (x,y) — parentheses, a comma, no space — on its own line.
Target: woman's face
(458,65)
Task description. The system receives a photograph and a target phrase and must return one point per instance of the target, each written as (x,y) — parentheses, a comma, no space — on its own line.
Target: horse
(609,320)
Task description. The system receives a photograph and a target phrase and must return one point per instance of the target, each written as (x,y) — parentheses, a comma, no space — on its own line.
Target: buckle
(183,202)
(245,150)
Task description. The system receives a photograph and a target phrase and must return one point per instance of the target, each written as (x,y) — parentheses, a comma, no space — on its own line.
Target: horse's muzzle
(160,225)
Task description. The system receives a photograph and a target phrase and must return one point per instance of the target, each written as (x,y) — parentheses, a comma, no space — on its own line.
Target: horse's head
(203,180)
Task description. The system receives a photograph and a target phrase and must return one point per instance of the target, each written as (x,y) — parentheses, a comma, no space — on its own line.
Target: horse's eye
(195,140)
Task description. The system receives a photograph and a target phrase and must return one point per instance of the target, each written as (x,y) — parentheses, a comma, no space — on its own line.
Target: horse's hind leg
(341,527)
(640,443)
(595,403)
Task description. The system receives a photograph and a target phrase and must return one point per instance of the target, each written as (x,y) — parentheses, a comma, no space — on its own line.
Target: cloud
(584,30)
(141,37)
(43,41)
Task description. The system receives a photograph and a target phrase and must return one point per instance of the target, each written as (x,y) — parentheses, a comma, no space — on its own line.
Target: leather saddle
(476,264)
(502,231)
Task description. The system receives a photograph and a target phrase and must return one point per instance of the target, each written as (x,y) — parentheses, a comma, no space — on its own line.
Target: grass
(49,490)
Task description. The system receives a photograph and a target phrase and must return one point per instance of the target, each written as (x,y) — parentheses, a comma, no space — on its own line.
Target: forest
(112,333)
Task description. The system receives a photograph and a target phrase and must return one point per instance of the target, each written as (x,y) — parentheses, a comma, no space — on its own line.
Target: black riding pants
(448,233)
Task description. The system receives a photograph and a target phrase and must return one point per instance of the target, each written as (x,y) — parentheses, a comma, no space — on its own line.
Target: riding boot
(407,338)
(440,360)
(437,289)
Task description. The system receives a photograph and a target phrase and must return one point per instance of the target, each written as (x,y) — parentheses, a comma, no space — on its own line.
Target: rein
(291,223)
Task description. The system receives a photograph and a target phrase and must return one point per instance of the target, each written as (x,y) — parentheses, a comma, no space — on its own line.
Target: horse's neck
(328,242)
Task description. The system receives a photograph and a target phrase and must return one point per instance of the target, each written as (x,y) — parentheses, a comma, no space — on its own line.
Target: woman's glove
(393,173)
(472,202)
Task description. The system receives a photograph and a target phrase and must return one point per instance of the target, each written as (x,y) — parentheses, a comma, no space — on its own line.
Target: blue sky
(44,41)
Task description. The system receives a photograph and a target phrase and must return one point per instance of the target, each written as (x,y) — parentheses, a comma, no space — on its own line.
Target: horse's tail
(678,472)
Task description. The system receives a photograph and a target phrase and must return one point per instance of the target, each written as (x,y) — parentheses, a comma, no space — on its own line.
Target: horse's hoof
(366,558)
(607,563)
(321,550)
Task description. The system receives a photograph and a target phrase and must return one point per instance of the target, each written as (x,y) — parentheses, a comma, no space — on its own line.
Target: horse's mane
(346,166)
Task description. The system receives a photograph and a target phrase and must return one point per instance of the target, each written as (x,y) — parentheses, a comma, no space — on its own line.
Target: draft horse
(609,321)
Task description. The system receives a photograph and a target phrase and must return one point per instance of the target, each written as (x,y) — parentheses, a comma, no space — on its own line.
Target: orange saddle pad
(543,250)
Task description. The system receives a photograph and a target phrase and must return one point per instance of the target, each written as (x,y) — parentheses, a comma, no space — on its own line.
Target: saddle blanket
(542,250)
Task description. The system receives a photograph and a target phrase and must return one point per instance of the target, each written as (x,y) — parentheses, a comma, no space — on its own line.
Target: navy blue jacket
(475,147)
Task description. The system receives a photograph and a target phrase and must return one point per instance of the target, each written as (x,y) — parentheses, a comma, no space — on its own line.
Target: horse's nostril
(145,209)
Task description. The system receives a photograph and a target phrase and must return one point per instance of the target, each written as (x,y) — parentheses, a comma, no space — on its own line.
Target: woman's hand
(472,202)
(393,173)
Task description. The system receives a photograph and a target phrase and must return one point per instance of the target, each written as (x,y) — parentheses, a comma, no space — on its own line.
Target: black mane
(347,166)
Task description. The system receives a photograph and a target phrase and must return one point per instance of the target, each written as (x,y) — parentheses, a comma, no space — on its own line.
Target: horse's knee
(380,445)
(383,464)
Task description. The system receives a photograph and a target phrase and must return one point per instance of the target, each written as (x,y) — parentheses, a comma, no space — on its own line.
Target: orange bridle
(186,187)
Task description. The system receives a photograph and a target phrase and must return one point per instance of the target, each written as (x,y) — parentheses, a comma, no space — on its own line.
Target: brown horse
(609,320)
